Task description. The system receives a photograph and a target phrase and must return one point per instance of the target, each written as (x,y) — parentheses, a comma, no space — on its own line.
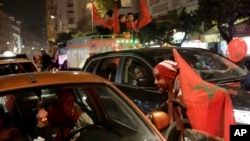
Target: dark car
(27,99)
(118,67)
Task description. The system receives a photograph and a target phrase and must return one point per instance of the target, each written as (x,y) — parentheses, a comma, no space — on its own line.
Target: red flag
(209,107)
(116,27)
(145,17)
(97,18)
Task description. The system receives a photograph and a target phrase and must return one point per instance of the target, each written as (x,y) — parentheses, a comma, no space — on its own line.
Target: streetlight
(52,16)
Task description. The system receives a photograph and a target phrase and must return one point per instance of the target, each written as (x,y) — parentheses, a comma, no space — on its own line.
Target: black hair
(130,13)
(120,16)
(109,13)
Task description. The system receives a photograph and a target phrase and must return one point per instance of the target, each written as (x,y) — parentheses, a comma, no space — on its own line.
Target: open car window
(105,107)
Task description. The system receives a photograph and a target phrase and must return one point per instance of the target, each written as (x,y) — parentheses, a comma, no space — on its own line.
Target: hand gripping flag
(145,17)
(209,107)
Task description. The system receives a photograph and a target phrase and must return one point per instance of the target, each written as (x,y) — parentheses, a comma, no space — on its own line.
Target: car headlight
(241,116)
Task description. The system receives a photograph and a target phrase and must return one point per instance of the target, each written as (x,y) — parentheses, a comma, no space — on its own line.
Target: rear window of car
(211,66)
(14,68)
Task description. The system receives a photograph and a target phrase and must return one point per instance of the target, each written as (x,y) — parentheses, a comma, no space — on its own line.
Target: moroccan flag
(209,107)
(116,27)
(145,17)
(97,18)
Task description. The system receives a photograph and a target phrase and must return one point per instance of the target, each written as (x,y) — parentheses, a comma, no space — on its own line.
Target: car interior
(107,69)
(110,121)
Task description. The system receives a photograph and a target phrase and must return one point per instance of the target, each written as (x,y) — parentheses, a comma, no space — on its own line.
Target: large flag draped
(97,18)
(116,27)
(145,17)
(209,107)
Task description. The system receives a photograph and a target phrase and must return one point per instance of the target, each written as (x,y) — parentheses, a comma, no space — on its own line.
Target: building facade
(65,15)
(10,32)
(161,8)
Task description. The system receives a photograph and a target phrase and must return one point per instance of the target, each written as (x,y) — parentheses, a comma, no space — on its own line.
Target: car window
(14,68)
(117,111)
(107,68)
(113,109)
(105,107)
(133,69)
(91,66)
(210,66)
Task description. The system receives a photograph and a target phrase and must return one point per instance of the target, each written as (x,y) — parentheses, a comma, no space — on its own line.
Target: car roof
(15,56)
(14,60)
(147,51)
(36,79)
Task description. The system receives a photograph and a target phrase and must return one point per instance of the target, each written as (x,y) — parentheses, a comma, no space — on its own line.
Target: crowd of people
(127,24)
(45,61)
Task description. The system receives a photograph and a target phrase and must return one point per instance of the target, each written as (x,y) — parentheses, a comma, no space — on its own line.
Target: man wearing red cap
(166,80)
(165,73)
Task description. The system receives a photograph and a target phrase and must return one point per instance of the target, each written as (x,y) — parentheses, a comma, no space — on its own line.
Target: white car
(14,64)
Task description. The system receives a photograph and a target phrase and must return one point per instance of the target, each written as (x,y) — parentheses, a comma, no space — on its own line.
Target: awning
(211,35)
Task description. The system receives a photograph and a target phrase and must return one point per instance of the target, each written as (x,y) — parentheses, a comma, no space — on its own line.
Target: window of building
(70,5)
(71,20)
(71,11)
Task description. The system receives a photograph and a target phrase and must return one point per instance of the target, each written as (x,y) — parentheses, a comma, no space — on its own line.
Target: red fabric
(97,18)
(209,107)
(131,26)
(162,70)
(145,17)
(116,28)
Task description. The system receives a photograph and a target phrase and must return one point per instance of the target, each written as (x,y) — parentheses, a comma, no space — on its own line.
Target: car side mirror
(160,119)
(145,82)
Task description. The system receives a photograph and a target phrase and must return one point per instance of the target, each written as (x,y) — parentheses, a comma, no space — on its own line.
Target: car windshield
(210,66)
(104,105)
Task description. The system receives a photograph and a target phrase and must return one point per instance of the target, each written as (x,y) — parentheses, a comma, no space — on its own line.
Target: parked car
(16,63)
(118,67)
(115,117)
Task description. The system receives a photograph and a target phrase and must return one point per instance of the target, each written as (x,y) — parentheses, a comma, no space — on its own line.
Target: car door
(141,90)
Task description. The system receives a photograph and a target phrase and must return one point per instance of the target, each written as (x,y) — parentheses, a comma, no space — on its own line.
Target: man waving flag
(209,107)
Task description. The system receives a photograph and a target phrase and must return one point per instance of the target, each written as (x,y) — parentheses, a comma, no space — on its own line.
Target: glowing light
(8,53)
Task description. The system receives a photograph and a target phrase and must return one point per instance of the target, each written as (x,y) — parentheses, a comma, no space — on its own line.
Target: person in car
(139,72)
(8,130)
(57,120)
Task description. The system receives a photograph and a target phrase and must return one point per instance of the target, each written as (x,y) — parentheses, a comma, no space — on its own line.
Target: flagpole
(92,20)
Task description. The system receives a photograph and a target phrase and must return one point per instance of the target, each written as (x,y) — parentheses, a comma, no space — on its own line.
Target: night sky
(32,11)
